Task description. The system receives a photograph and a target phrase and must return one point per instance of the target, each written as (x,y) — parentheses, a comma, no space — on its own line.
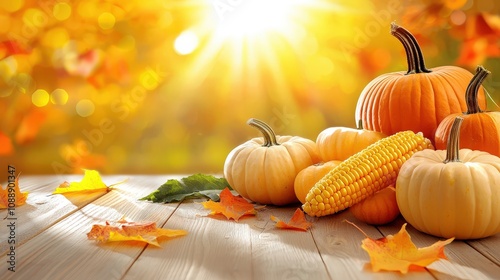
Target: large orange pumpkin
(417,99)
(480,130)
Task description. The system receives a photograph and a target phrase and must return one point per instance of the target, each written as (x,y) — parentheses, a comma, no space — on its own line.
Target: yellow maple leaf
(146,232)
(297,222)
(91,182)
(398,253)
(7,196)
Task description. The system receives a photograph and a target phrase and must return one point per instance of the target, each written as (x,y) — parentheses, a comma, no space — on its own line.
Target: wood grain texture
(464,262)
(42,209)
(63,250)
(214,248)
(55,246)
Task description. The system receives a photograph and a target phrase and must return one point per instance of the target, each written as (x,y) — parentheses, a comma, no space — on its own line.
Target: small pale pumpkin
(263,169)
(480,129)
(417,99)
(452,193)
(309,176)
(378,209)
(339,143)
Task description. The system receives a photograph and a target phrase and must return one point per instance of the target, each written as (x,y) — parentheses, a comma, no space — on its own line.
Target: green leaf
(194,186)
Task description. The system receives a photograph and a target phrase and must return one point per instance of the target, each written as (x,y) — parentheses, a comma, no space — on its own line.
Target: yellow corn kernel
(363,174)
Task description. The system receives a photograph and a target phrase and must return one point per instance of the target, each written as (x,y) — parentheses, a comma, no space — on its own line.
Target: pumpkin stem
(472,90)
(414,55)
(359,124)
(453,145)
(267,132)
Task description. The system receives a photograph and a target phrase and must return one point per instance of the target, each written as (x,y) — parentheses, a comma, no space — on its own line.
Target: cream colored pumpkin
(263,169)
(453,193)
(339,143)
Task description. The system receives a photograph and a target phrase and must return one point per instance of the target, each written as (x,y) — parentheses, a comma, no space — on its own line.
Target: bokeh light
(61,11)
(85,108)
(186,43)
(106,20)
(59,96)
(40,98)
(164,86)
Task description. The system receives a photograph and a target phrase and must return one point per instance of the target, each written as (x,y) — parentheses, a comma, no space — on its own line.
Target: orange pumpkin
(378,209)
(309,176)
(417,99)
(480,130)
(339,143)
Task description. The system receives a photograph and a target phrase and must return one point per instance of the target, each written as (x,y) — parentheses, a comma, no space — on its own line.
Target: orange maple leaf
(132,231)
(398,253)
(6,147)
(20,197)
(297,222)
(232,207)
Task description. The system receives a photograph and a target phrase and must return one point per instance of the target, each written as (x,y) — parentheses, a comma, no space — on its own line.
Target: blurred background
(164,86)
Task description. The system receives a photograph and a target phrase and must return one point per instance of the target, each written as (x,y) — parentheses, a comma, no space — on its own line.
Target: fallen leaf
(398,253)
(197,185)
(91,182)
(132,231)
(297,222)
(20,197)
(232,207)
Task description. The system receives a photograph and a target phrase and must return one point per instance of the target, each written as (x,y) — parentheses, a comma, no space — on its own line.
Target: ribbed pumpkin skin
(456,199)
(309,176)
(266,174)
(396,101)
(339,143)
(479,131)
(379,209)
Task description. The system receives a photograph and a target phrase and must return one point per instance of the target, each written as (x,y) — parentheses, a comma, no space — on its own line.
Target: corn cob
(363,174)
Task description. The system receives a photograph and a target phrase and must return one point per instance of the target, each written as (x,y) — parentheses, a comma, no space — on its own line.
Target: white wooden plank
(339,244)
(63,250)
(42,209)
(214,248)
(489,247)
(283,254)
(464,262)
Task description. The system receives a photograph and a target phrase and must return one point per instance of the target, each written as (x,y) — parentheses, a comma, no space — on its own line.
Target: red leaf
(232,207)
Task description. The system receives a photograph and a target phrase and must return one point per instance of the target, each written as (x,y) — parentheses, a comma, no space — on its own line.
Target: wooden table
(52,243)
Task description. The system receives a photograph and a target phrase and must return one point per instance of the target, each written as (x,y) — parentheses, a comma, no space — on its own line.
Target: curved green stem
(472,90)
(453,145)
(414,55)
(267,132)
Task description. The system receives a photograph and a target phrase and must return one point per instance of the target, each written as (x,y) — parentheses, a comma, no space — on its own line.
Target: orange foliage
(232,207)
(132,231)
(20,197)
(398,253)
(6,147)
(297,222)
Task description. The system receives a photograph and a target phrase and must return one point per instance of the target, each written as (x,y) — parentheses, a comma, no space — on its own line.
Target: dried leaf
(132,231)
(297,222)
(91,182)
(398,253)
(232,207)
(20,197)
